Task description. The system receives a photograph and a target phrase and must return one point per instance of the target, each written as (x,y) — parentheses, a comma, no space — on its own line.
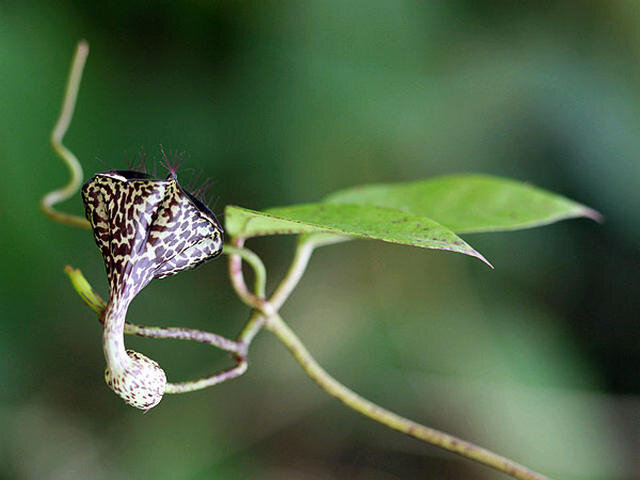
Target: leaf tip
(592,214)
(479,256)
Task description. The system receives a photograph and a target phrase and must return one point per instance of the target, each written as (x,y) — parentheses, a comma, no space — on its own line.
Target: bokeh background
(284,102)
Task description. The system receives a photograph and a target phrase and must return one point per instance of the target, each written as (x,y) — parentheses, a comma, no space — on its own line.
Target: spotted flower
(145,228)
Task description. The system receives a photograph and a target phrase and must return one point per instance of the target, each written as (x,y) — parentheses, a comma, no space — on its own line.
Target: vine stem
(280,329)
(237,253)
(294,274)
(274,323)
(236,275)
(69,159)
(193,385)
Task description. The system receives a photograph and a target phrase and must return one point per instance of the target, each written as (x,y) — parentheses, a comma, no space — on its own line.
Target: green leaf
(470,203)
(361,221)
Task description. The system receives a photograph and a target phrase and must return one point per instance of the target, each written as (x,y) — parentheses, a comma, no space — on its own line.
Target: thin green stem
(220,377)
(236,254)
(294,274)
(57,135)
(179,333)
(85,290)
(276,325)
(259,271)
(251,329)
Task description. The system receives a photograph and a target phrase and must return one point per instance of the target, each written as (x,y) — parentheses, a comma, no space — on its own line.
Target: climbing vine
(149,228)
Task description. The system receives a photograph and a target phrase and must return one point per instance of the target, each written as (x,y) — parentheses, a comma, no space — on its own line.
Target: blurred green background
(284,102)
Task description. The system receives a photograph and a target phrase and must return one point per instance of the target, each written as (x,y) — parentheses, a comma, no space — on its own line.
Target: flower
(145,228)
